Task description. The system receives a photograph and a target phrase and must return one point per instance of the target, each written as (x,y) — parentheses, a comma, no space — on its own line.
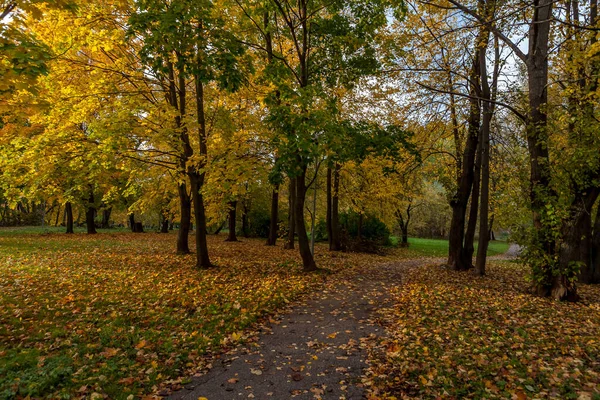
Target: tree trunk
(164,223)
(106,218)
(469,248)
(595,246)
(360,225)
(185,208)
(197,177)
(90,215)
(292,220)
(202,258)
(303,242)
(245,227)
(488,111)
(69,216)
(336,236)
(232,237)
(57,216)
(328,217)
(491,234)
(460,200)
(220,228)
(578,238)
(273,224)
(132,222)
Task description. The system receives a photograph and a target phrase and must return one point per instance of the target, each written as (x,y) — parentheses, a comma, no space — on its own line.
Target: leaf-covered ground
(116,315)
(453,335)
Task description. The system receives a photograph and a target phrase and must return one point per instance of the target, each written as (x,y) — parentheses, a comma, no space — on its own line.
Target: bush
(374,234)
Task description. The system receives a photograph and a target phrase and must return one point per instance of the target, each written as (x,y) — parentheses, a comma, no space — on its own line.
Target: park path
(317,350)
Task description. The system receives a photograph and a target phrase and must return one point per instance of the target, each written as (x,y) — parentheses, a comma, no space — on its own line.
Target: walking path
(315,351)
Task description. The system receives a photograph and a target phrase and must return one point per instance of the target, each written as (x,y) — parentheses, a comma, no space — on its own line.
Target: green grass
(439,247)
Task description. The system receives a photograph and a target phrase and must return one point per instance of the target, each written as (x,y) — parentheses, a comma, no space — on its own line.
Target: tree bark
(273,224)
(132,222)
(106,212)
(328,216)
(232,237)
(185,209)
(69,216)
(303,241)
(595,247)
(197,178)
(336,236)
(164,223)
(292,207)
(474,210)
(90,215)
(245,227)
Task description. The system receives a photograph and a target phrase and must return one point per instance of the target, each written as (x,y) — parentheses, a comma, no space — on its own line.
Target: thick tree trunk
(90,215)
(292,218)
(273,224)
(185,209)
(578,238)
(336,235)
(232,237)
(303,241)
(69,217)
(460,200)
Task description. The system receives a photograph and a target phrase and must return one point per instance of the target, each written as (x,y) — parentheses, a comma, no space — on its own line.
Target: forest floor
(121,316)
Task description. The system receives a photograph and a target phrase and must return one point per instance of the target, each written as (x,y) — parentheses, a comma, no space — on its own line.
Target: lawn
(439,247)
(454,335)
(119,314)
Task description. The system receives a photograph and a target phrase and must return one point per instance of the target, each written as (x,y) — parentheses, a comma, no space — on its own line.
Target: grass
(119,314)
(439,247)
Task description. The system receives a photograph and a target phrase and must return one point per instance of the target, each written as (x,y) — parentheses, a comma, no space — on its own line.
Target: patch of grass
(119,313)
(439,247)
(455,335)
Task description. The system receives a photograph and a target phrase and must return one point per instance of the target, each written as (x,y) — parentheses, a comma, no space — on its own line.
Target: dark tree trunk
(220,228)
(202,258)
(232,237)
(328,217)
(185,208)
(164,223)
(488,110)
(491,234)
(336,236)
(292,218)
(197,178)
(273,224)
(578,238)
(90,215)
(57,216)
(132,222)
(245,227)
(106,218)
(69,217)
(404,225)
(473,211)
(595,246)
(303,241)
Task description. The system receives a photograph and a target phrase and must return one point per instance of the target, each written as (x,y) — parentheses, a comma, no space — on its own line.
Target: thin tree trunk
(336,236)
(57,216)
(220,228)
(69,217)
(595,247)
(106,218)
(90,215)
(185,209)
(328,217)
(292,218)
(164,223)
(303,242)
(245,227)
(232,237)
(273,224)
(474,210)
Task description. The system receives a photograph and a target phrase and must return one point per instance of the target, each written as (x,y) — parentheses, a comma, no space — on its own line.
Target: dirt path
(317,350)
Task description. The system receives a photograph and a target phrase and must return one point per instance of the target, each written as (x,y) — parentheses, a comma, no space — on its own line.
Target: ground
(121,316)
